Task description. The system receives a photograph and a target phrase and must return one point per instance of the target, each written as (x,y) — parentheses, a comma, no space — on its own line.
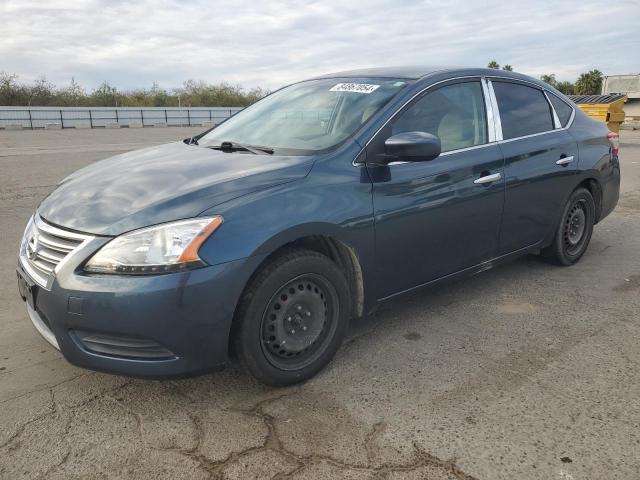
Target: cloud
(268,44)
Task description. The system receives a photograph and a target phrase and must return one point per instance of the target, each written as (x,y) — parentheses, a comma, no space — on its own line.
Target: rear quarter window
(523,110)
(562,109)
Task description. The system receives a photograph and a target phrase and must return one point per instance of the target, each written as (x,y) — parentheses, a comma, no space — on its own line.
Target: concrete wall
(628,84)
(631,114)
(632,108)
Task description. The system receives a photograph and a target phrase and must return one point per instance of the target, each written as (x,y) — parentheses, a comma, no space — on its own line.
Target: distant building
(628,85)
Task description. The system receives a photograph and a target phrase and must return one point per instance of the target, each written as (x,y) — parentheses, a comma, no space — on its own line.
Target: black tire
(291,318)
(574,230)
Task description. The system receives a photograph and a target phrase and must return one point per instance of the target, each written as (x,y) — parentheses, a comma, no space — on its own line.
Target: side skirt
(470,271)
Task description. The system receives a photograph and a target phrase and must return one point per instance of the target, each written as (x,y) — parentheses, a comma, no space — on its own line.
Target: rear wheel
(574,231)
(292,318)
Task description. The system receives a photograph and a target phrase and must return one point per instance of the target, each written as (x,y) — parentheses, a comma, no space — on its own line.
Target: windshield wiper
(235,146)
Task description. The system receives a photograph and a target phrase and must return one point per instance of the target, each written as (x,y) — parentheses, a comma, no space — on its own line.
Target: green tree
(508,68)
(159,96)
(41,93)
(198,93)
(11,92)
(589,83)
(493,64)
(256,94)
(104,96)
(193,93)
(549,79)
(73,95)
(566,87)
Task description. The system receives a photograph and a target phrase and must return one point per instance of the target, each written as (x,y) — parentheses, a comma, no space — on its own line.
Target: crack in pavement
(135,415)
(36,390)
(21,428)
(54,409)
(272,442)
(67,427)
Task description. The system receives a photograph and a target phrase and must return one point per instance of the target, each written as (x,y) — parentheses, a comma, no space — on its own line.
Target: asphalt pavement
(527,371)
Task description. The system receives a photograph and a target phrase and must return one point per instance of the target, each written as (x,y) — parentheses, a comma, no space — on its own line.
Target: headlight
(169,247)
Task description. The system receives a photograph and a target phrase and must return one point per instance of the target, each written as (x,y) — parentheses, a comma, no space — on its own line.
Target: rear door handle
(487,179)
(564,161)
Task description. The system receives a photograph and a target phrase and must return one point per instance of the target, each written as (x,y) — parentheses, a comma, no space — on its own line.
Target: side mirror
(413,146)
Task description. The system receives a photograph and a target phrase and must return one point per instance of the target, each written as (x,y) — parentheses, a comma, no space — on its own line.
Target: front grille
(44,247)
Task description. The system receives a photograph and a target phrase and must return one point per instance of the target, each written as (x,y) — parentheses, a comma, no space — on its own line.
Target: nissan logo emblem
(32,247)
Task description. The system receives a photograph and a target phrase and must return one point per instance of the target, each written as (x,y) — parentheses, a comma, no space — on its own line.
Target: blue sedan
(264,235)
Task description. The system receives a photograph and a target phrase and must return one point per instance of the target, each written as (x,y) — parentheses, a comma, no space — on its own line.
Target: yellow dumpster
(606,108)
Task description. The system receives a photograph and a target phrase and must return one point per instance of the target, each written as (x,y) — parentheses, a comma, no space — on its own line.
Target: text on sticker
(354,87)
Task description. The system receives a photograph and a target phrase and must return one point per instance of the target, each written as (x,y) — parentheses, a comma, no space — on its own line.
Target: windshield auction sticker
(354,87)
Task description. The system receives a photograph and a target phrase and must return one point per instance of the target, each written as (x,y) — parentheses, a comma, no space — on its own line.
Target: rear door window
(523,110)
(562,109)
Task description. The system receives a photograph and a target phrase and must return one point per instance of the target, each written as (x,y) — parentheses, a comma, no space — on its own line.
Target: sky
(270,44)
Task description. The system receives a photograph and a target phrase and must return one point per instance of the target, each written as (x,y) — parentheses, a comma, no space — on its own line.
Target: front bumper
(41,327)
(144,326)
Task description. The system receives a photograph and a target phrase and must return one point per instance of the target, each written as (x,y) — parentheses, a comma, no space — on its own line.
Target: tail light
(614,141)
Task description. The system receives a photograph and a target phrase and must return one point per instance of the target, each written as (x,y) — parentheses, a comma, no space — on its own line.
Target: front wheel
(292,318)
(574,231)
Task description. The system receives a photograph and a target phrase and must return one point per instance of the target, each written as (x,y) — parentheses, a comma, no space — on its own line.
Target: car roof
(408,72)
(416,72)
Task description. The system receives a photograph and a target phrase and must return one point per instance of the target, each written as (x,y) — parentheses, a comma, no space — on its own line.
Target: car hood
(161,184)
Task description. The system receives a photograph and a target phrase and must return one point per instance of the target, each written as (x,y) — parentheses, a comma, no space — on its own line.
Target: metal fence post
(142,117)
(188,118)
(30,120)
(90,119)
(61,120)
(166,119)
(117,119)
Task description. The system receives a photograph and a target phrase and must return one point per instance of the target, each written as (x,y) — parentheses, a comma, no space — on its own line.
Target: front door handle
(487,179)
(564,161)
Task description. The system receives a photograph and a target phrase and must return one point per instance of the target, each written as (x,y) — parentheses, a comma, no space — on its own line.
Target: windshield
(308,117)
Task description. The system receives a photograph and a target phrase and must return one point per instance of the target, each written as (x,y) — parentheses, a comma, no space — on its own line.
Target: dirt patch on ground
(515,308)
(631,283)
(629,201)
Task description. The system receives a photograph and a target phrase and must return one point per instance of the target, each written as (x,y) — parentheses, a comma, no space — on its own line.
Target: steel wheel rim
(299,322)
(575,227)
